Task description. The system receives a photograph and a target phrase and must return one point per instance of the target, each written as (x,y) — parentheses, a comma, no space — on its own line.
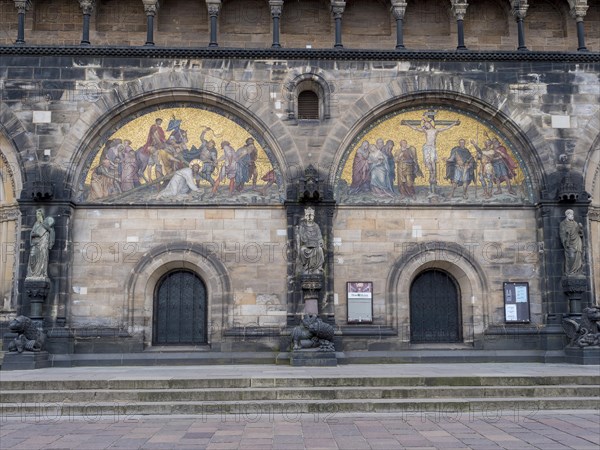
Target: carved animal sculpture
(313,333)
(29,338)
(586,333)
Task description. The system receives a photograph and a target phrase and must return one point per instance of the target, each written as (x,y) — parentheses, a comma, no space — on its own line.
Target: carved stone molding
(9,213)
(594,213)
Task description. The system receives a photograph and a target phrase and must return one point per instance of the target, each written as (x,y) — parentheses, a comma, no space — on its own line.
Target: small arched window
(308,105)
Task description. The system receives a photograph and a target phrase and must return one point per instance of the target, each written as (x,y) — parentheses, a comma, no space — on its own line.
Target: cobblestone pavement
(547,430)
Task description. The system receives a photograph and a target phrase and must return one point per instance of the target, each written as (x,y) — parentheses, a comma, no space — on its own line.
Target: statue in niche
(571,236)
(41,240)
(310,244)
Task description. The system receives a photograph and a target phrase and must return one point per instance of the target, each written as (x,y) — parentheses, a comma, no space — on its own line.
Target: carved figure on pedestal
(29,338)
(585,333)
(313,333)
(41,240)
(571,236)
(309,241)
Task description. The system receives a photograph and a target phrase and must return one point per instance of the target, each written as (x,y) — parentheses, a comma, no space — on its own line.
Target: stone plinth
(25,361)
(584,356)
(313,357)
(574,287)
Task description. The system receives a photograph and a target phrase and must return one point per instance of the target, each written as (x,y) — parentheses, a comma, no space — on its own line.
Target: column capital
(87,6)
(459,8)
(519,8)
(578,10)
(22,5)
(214,7)
(398,9)
(150,7)
(276,7)
(337,8)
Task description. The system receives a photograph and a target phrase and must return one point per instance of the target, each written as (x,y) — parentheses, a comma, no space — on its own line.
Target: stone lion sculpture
(29,338)
(585,333)
(313,333)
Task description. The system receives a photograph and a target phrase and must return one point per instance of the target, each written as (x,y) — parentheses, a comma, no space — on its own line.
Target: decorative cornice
(87,6)
(298,53)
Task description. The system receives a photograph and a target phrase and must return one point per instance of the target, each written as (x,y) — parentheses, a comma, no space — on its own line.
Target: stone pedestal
(37,290)
(313,357)
(574,287)
(25,360)
(311,293)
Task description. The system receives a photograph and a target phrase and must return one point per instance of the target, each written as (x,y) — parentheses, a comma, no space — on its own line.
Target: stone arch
(459,93)
(311,79)
(11,184)
(20,148)
(139,296)
(242,99)
(453,259)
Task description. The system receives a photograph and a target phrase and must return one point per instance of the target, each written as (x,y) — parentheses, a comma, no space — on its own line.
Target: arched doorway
(179,310)
(435,315)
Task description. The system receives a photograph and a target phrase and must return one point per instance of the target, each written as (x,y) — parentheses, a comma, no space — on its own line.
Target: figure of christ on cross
(429,129)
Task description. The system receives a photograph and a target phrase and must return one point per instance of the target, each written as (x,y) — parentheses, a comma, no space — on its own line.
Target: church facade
(176,147)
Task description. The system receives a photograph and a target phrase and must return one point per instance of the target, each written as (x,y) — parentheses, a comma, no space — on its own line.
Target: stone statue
(571,236)
(29,337)
(42,240)
(313,333)
(310,244)
(586,332)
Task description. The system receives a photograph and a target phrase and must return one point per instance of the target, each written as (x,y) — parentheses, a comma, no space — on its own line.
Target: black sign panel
(516,302)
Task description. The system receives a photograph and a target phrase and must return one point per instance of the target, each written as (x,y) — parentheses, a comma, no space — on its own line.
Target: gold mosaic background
(468,129)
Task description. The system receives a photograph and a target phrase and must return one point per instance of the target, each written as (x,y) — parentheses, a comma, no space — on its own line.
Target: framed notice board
(516,302)
(360,301)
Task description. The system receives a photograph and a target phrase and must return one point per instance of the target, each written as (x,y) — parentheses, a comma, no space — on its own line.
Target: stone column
(398,9)
(337,9)
(519,10)
(459,8)
(22,7)
(214,7)
(578,12)
(87,7)
(276,8)
(150,8)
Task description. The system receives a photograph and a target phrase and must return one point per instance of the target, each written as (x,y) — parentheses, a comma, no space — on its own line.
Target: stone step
(496,407)
(314,393)
(306,382)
